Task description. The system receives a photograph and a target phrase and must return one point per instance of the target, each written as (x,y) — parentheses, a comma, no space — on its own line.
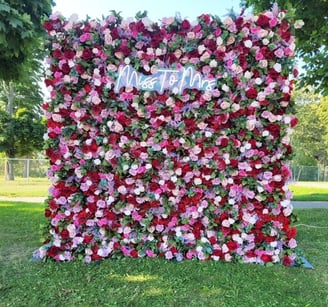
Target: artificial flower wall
(170,139)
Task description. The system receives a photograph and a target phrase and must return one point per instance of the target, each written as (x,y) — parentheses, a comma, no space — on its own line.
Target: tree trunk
(9,170)
(10,152)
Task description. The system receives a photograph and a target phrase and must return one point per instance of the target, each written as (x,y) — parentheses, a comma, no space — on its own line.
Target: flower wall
(193,172)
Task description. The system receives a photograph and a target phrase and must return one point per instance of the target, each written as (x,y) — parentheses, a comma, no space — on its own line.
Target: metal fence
(37,168)
(309,173)
(25,168)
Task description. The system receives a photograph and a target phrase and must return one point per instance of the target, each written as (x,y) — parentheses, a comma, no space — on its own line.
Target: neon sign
(175,80)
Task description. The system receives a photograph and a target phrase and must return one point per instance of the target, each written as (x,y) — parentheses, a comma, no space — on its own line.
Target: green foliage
(310,138)
(21,129)
(312,39)
(20,30)
(154,282)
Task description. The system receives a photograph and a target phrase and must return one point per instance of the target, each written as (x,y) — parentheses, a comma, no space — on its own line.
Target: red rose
(221,164)
(206,18)
(224,142)
(64,234)
(171,185)
(124,48)
(48,82)
(234,163)
(47,213)
(87,239)
(110,215)
(213,240)
(232,245)
(96,109)
(153,186)
(267,53)
(190,125)
(87,54)
(210,44)
(92,207)
(274,129)
(291,233)
(239,22)
(93,147)
(273,74)
(219,55)
(49,25)
(57,54)
(156,164)
(207,171)
(251,93)
(134,254)
(123,119)
(217,253)
(52,251)
(69,54)
(263,20)
(113,138)
(288,149)
(185,25)
(65,69)
(264,102)
(137,26)
(79,69)
(286,261)
(266,258)
(293,122)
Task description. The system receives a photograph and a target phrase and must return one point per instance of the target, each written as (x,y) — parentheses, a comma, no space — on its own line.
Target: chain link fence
(309,173)
(37,168)
(25,168)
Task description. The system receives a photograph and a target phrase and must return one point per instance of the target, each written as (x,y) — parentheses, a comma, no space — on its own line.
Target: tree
(310,138)
(20,29)
(312,39)
(21,51)
(21,126)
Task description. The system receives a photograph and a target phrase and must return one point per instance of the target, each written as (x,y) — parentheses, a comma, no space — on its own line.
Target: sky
(157,9)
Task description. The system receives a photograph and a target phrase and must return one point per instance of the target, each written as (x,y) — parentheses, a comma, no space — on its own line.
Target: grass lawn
(303,191)
(154,282)
(21,187)
(310,191)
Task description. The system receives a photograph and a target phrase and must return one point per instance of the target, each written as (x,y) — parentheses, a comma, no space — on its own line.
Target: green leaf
(4,7)
(15,22)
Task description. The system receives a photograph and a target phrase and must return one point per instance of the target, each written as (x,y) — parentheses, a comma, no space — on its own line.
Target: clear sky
(156,8)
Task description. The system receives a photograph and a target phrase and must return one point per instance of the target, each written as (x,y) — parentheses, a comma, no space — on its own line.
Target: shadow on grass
(311,197)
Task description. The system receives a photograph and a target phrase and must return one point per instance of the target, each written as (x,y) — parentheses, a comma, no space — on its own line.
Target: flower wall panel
(170,139)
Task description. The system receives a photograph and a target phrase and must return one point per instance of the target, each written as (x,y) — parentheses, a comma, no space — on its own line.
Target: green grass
(310,191)
(154,282)
(21,187)
(303,191)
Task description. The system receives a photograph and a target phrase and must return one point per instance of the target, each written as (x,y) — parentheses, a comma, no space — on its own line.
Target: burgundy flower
(64,234)
(185,25)
(123,119)
(206,18)
(287,261)
(87,54)
(69,54)
(53,251)
(251,93)
(263,20)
